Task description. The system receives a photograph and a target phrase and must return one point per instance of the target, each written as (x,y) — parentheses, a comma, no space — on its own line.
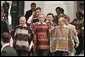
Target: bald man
(23,36)
(41,30)
(62,43)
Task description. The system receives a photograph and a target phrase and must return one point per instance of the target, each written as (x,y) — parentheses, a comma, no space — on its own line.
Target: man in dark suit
(4,25)
(6,8)
(6,49)
(14,14)
(29,12)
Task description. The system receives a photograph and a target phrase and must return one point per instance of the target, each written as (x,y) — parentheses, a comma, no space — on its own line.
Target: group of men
(39,36)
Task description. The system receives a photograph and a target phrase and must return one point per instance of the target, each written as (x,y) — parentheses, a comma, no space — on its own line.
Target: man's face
(33,7)
(22,21)
(37,12)
(58,11)
(49,17)
(61,21)
(41,18)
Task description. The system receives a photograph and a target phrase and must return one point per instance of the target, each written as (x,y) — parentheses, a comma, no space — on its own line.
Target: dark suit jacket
(6,6)
(8,51)
(28,14)
(4,27)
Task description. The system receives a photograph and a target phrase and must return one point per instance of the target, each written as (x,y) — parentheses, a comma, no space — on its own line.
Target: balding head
(22,20)
(61,20)
(41,18)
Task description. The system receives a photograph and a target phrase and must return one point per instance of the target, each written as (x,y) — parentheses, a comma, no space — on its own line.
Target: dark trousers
(60,53)
(22,53)
(41,53)
(81,46)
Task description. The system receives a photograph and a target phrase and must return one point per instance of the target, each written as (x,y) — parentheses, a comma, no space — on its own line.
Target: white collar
(42,23)
(63,26)
(6,44)
(48,21)
(23,25)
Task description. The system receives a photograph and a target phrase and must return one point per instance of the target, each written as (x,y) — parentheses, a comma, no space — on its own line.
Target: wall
(70,7)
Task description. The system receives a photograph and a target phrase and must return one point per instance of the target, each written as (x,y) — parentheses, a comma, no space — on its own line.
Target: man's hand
(30,46)
(77,44)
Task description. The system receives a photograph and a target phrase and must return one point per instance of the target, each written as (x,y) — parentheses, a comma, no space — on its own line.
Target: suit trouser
(41,53)
(60,53)
(22,53)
